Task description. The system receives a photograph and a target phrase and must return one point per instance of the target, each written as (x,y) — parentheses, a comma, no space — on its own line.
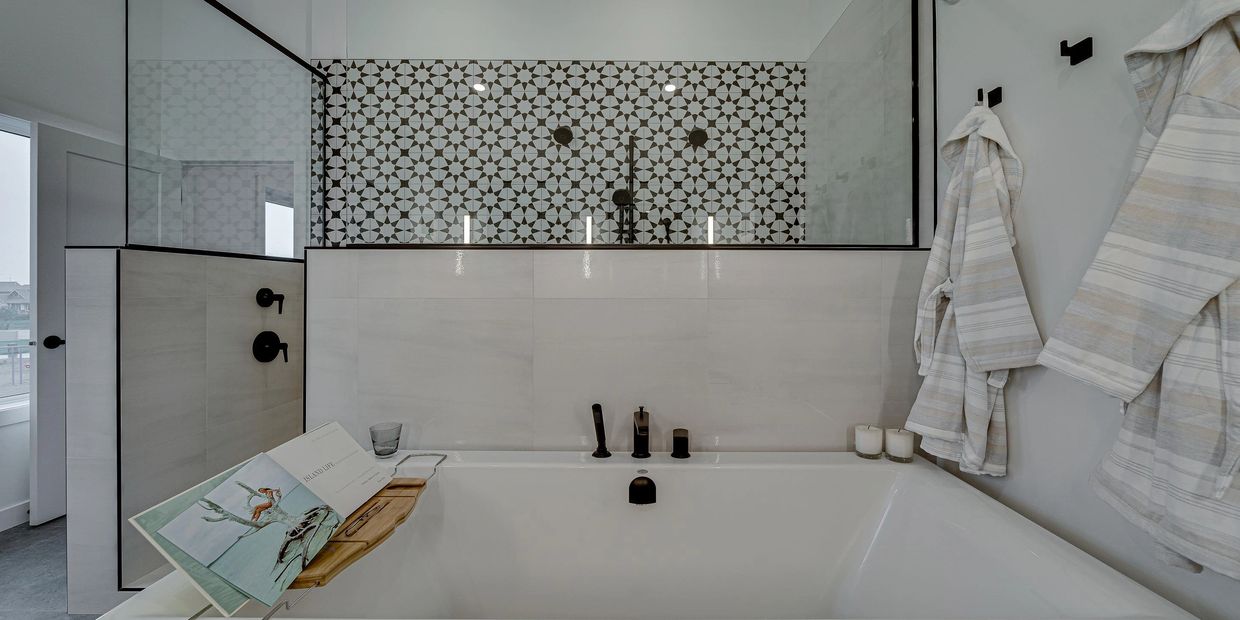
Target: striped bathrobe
(973,322)
(1156,320)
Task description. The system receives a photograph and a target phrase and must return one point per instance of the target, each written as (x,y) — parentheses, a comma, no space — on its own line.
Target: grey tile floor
(32,573)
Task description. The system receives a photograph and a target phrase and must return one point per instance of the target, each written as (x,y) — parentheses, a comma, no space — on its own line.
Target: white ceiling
(574,29)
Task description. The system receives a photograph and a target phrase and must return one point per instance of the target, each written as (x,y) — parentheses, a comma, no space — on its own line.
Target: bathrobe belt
(930,322)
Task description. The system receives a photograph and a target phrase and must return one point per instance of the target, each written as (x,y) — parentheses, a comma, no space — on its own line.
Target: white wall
(14,463)
(62,62)
(1075,129)
(90,435)
(787,30)
(507,349)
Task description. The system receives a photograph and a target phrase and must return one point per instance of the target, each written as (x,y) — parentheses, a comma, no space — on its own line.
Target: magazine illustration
(258,529)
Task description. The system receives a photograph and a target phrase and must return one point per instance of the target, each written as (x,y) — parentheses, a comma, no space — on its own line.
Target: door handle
(53,342)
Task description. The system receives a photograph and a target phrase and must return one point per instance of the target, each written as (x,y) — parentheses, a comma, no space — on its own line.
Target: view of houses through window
(15,292)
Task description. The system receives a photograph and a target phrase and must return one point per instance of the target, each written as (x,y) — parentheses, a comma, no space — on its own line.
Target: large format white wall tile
(794,274)
(748,349)
(332,274)
(623,354)
(332,361)
(194,401)
(443,274)
(91,434)
(780,365)
(642,274)
(460,370)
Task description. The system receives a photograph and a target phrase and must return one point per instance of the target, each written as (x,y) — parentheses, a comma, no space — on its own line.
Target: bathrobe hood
(982,122)
(1152,63)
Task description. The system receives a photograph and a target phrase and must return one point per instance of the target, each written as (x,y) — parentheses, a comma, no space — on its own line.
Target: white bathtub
(735,535)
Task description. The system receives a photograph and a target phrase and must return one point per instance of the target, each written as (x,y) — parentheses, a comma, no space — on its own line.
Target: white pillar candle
(899,445)
(868,440)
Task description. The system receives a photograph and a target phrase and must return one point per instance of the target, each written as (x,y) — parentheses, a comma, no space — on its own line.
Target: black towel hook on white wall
(1080,52)
(990,99)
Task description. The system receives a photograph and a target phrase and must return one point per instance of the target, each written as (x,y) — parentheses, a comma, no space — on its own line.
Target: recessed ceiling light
(669,87)
(480,87)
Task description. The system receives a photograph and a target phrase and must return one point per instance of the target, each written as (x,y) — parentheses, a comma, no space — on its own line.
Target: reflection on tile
(641,274)
(436,274)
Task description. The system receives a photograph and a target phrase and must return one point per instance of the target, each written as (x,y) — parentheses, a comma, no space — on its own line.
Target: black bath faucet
(641,433)
(599,433)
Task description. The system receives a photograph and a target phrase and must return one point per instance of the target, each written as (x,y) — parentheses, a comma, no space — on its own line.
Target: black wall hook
(1079,53)
(990,99)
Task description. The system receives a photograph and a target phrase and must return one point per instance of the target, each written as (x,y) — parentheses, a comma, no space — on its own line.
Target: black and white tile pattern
(412,147)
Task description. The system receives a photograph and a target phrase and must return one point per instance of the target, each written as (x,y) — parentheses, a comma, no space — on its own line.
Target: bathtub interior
(841,541)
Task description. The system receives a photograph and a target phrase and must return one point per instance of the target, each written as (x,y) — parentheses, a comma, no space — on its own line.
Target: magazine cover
(258,529)
(221,594)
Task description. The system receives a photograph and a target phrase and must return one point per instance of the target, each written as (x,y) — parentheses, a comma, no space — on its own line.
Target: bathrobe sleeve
(1173,246)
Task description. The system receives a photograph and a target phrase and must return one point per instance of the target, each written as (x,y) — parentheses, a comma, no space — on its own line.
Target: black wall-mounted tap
(641,433)
(267,347)
(265,297)
(600,434)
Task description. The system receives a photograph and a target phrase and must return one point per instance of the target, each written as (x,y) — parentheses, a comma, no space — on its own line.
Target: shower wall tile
(193,399)
(412,146)
(750,350)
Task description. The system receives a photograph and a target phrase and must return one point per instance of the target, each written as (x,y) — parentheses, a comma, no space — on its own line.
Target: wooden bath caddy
(362,532)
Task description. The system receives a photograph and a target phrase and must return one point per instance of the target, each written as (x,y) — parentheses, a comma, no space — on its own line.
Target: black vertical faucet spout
(641,433)
(600,434)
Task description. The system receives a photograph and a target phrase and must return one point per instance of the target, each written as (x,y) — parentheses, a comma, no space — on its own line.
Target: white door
(80,200)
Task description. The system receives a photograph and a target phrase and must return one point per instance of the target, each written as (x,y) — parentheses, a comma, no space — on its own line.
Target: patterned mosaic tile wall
(412,147)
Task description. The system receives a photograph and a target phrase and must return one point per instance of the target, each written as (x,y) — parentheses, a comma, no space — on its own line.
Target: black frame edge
(219,6)
(216,253)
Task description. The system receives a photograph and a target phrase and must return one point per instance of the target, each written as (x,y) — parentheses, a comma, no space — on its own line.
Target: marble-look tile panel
(636,274)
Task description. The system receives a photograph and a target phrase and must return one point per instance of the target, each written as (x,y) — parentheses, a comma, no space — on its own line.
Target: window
(15,291)
(279,227)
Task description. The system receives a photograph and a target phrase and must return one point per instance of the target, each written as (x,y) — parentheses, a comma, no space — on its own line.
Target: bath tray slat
(365,529)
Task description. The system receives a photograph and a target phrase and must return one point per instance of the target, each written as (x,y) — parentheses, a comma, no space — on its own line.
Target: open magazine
(248,532)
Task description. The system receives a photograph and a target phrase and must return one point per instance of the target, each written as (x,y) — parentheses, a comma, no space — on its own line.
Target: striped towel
(1156,320)
(973,322)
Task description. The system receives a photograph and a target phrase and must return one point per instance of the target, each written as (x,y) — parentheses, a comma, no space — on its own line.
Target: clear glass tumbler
(385,437)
